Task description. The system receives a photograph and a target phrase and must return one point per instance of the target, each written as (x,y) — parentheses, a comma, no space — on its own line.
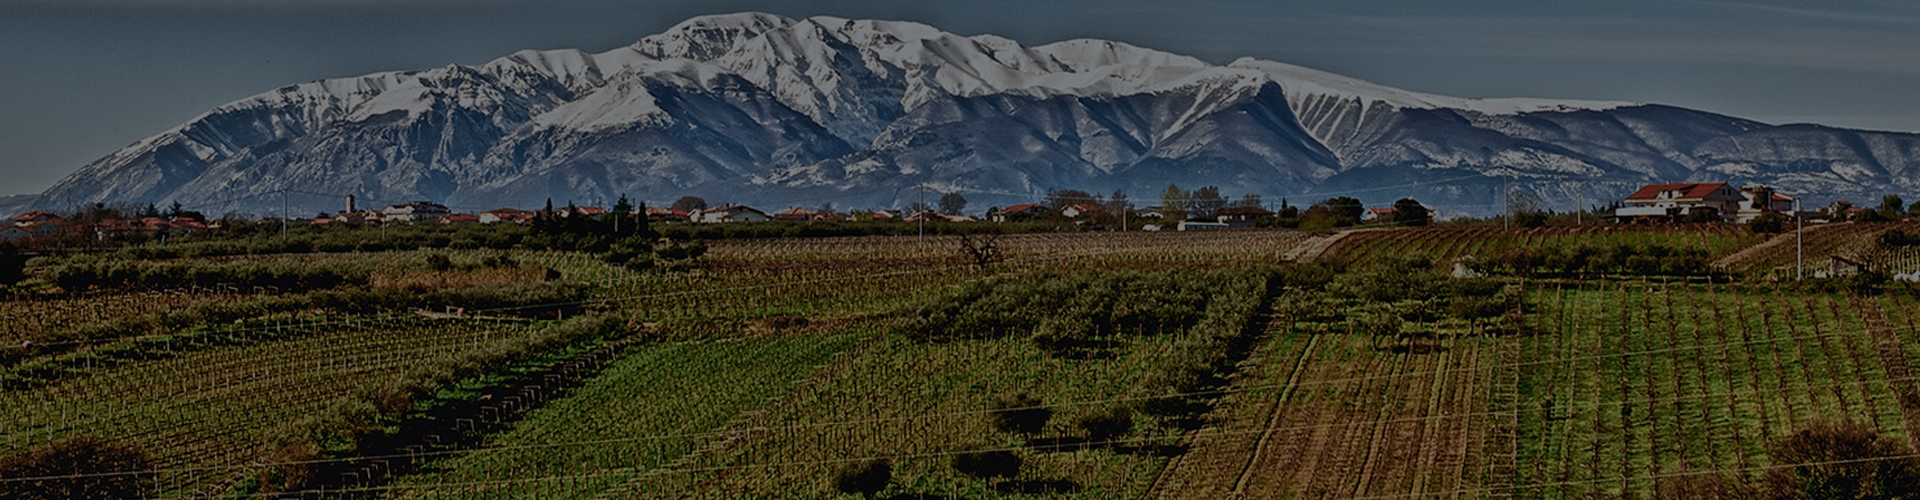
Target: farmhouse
(1078,209)
(1378,215)
(459,219)
(1023,209)
(1670,201)
(1242,214)
(583,211)
(414,212)
(1759,200)
(929,215)
(36,217)
(657,214)
(1187,225)
(727,213)
(505,215)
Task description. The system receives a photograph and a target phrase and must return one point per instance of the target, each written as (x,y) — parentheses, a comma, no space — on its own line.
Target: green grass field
(777,365)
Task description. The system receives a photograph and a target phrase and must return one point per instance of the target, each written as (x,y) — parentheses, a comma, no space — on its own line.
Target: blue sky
(83,78)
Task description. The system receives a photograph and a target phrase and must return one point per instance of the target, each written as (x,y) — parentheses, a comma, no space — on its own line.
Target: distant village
(1654,203)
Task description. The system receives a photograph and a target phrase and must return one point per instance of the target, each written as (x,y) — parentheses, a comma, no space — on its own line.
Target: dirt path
(1316,246)
(1749,254)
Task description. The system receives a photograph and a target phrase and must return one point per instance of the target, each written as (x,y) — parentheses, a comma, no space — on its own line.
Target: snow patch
(619,105)
(1301,81)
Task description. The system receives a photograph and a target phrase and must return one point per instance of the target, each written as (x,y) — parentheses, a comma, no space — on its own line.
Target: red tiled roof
(29,216)
(1024,207)
(1688,191)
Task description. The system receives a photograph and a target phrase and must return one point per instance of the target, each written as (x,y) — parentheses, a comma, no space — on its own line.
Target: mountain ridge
(770,110)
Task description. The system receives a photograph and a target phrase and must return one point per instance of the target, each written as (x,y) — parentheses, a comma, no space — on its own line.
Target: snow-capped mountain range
(774,112)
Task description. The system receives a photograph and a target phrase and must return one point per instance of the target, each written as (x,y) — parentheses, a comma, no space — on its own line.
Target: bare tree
(983,248)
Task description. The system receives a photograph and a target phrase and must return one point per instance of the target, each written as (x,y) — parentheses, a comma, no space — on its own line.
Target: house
(1840,211)
(1076,210)
(1023,209)
(36,217)
(1151,213)
(728,213)
(359,217)
(656,214)
(414,212)
(880,215)
(183,225)
(45,227)
(1670,201)
(1242,214)
(584,211)
(795,214)
(459,219)
(499,215)
(1757,200)
(1187,225)
(929,215)
(1378,215)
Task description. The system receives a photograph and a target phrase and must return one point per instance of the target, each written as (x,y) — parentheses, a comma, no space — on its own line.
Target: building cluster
(1718,201)
(1702,201)
(44,224)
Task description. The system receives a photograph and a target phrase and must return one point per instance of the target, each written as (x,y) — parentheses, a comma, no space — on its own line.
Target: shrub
(1841,460)
(439,262)
(1104,427)
(864,478)
(13,266)
(1020,414)
(1894,238)
(988,464)
(1768,223)
(100,460)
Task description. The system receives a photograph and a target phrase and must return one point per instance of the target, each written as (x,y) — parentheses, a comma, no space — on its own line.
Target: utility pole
(1799,248)
(1579,207)
(923,216)
(284,205)
(1506,221)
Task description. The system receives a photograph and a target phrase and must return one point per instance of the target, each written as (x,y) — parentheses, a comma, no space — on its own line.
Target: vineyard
(1230,364)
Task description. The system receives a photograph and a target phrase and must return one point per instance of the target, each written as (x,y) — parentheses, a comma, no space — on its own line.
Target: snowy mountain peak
(766,109)
(706,38)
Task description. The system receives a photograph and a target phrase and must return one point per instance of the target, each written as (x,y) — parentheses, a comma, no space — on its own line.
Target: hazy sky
(83,78)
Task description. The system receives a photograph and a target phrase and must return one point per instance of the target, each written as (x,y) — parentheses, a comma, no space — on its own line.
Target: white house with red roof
(1378,214)
(1023,208)
(1758,200)
(1667,201)
(658,214)
(35,217)
(499,215)
(728,213)
(415,212)
(1076,210)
